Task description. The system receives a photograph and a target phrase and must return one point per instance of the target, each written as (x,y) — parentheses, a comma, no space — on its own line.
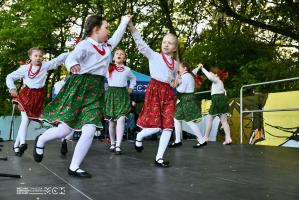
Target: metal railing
(203,92)
(257,111)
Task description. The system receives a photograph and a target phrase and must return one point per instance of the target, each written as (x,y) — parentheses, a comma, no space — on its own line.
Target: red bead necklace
(32,74)
(169,65)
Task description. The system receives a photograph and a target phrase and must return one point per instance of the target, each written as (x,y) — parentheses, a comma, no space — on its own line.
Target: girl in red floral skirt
(31,98)
(158,110)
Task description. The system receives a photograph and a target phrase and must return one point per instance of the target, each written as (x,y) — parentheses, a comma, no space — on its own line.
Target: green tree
(242,36)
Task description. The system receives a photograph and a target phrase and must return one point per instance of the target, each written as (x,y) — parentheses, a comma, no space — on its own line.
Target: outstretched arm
(54,63)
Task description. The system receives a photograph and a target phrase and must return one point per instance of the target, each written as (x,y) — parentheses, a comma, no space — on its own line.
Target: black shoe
(79,174)
(117,151)
(37,157)
(23,147)
(17,153)
(112,148)
(63,149)
(164,164)
(138,149)
(174,145)
(198,145)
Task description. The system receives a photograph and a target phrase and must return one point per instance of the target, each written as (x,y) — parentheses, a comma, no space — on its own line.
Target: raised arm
(195,71)
(141,45)
(54,63)
(210,76)
(118,34)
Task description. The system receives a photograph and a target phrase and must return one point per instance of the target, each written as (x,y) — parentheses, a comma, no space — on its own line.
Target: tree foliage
(254,41)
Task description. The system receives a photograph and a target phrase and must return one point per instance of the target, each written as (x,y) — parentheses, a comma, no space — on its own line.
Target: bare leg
(208,127)
(228,139)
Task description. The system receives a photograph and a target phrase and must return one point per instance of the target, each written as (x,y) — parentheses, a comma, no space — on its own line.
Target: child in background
(219,105)
(117,98)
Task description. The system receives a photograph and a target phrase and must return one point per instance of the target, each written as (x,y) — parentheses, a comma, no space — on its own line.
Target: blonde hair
(173,36)
(176,44)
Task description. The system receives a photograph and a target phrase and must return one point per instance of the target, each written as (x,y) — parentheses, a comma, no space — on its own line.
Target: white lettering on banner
(140,88)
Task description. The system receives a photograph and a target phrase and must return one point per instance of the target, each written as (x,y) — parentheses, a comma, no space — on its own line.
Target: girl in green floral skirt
(117,98)
(219,105)
(80,103)
(186,108)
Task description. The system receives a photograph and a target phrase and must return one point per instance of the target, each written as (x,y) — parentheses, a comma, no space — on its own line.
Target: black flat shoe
(198,145)
(23,147)
(138,149)
(118,151)
(63,149)
(37,157)
(164,164)
(79,174)
(112,148)
(17,153)
(174,145)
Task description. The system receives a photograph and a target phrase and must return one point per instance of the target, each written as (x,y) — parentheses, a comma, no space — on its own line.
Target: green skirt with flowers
(79,102)
(117,102)
(219,105)
(187,109)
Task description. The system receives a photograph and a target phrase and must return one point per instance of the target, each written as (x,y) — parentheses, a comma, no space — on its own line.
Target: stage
(213,172)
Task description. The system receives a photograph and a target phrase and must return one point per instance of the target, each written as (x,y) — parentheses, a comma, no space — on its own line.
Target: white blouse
(217,84)
(157,66)
(120,78)
(186,83)
(88,57)
(38,81)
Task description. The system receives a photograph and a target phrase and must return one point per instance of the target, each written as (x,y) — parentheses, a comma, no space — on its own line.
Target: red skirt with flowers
(159,106)
(79,102)
(31,101)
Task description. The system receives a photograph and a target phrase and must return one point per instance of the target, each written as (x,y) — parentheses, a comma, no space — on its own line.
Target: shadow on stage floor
(214,172)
